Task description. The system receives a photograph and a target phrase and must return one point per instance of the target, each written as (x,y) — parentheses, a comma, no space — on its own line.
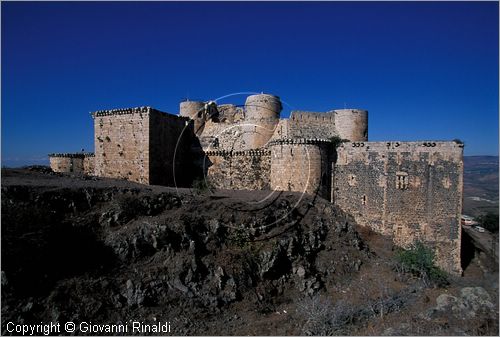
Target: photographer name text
(87,328)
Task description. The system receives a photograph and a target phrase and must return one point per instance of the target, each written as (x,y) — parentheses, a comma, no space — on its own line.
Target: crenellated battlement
(143,110)
(289,141)
(401,146)
(306,116)
(72,155)
(225,153)
(126,111)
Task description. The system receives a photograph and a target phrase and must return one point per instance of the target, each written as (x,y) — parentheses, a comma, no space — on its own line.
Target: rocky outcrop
(102,253)
(471,302)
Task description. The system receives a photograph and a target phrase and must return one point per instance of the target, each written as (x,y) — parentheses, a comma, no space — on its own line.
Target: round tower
(301,165)
(196,111)
(191,109)
(352,124)
(262,114)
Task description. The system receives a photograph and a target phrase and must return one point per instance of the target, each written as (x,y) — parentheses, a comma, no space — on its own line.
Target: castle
(407,190)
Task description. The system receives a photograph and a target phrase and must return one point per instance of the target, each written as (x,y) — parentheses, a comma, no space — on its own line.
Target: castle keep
(407,190)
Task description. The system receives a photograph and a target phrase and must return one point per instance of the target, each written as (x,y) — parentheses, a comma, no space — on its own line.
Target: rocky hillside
(84,249)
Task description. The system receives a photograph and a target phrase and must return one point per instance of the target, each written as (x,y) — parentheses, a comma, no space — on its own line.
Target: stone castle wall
(89,164)
(72,162)
(227,136)
(230,113)
(352,124)
(66,162)
(262,114)
(408,190)
(194,110)
(301,165)
(121,139)
(241,170)
(303,124)
(138,144)
(169,145)
(252,127)
(282,130)
(191,109)
(235,128)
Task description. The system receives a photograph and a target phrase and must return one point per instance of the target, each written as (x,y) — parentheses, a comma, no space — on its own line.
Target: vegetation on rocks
(202,186)
(419,261)
(489,221)
(336,141)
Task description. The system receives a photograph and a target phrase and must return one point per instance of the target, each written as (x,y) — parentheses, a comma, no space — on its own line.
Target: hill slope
(86,249)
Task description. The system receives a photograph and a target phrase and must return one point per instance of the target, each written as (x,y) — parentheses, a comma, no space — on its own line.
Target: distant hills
(480,185)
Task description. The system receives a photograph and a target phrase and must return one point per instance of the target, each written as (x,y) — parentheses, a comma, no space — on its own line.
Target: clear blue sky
(422,70)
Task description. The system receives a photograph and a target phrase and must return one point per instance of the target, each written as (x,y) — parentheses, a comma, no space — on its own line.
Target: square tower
(143,145)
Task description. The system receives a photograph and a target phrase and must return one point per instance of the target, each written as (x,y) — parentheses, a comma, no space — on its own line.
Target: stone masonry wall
(230,113)
(240,170)
(226,136)
(262,113)
(169,144)
(301,165)
(121,139)
(66,163)
(408,190)
(138,144)
(352,124)
(281,131)
(89,164)
(304,124)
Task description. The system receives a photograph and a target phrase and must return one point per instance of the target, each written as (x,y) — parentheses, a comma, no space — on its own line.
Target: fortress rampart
(301,165)
(223,136)
(194,110)
(121,139)
(304,124)
(230,113)
(138,144)
(191,109)
(72,162)
(89,164)
(243,170)
(349,124)
(352,124)
(262,114)
(407,190)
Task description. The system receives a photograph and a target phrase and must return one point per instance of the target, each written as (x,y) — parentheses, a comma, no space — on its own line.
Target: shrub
(336,141)
(202,186)
(489,221)
(321,316)
(419,261)
(239,236)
